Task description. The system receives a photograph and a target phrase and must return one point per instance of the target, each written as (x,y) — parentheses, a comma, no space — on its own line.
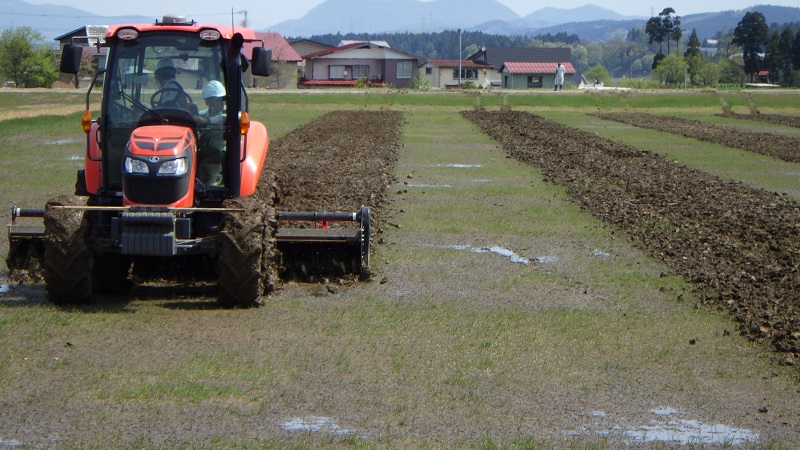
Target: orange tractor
(170,178)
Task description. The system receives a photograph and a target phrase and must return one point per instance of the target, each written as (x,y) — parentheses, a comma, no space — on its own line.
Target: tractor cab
(172,128)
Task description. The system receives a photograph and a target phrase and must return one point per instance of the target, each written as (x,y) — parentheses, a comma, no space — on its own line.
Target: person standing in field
(559,77)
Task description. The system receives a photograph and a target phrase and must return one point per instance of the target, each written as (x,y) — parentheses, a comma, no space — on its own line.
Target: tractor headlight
(136,166)
(174,167)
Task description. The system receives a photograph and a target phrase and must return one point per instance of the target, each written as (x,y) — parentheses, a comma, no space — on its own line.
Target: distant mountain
(414,16)
(552,18)
(585,13)
(382,16)
(597,30)
(589,22)
(707,24)
(55,20)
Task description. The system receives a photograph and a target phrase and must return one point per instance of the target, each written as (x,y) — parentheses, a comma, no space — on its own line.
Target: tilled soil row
(782,147)
(775,119)
(739,246)
(339,162)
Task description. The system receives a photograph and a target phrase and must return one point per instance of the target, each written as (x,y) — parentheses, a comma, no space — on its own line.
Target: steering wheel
(178,98)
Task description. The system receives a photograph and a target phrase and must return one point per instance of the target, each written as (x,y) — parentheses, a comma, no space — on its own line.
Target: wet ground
(739,246)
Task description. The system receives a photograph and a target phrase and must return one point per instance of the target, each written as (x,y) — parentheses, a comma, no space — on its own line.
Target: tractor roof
(225,31)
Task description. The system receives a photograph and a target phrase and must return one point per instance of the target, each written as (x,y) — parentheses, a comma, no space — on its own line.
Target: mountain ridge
(590,22)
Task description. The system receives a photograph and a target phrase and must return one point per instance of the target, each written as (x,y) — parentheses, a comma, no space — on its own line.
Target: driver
(172,92)
(211,136)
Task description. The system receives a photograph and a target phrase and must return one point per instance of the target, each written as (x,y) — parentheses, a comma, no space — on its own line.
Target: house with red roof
(447,73)
(521,75)
(367,62)
(285,63)
(524,67)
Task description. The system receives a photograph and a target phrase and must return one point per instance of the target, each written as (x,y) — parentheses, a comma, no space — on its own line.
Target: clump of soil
(738,245)
(782,147)
(339,162)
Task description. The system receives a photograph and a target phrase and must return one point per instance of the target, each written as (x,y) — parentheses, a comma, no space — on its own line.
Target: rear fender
(256,144)
(92,160)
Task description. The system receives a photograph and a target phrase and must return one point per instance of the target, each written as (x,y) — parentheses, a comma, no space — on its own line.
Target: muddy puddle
(315,424)
(511,255)
(669,426)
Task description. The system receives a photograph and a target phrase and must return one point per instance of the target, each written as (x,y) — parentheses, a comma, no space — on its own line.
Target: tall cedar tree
(752,34)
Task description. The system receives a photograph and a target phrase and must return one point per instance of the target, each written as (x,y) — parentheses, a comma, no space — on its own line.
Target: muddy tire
(68,259)
(248,258)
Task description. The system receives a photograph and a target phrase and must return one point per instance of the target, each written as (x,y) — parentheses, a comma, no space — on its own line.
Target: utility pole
(459,58)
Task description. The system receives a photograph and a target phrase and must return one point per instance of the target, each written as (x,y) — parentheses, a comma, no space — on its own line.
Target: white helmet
(213,89)
(165,63)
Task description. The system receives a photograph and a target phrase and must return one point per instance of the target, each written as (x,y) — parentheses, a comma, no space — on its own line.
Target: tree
(671,70)
(657,60)
(655,29)
(772,56)
(708,74)
(693,46)
(731,71)
(677,33)
(664,27)
(693,56)
(598,73)
(752,33)
(785,47)
(796,51)
(26,59)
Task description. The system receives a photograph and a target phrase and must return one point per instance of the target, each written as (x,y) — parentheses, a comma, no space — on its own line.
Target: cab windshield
(159,70)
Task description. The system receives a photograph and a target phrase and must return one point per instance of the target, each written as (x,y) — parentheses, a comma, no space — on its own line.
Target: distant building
(89,36)
(521,75)
(444,73)
(305,47)
(365,61)
(498,57)
(286,63)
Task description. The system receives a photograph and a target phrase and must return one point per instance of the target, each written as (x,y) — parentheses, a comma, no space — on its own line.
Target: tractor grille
(153,190)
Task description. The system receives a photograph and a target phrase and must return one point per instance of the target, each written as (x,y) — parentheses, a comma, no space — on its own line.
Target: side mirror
(261,61)
(71,58)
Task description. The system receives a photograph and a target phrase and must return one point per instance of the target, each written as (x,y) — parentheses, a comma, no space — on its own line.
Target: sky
(261,14)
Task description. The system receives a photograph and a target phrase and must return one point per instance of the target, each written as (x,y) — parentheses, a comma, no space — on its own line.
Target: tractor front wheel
(248,257)
(68,259)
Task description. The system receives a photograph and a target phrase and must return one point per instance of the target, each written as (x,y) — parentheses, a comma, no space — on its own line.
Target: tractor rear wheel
(248,258)
(68,259)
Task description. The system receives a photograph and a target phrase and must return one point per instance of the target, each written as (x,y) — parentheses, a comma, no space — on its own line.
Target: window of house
(360,72)
(466,74)
(429,71)
(336,72)
(404,69)
(534,81)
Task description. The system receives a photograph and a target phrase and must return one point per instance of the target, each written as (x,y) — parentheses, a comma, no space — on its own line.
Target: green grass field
(452,345)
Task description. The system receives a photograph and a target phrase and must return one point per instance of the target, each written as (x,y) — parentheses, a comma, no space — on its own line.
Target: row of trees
(26,59)
(777,52)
